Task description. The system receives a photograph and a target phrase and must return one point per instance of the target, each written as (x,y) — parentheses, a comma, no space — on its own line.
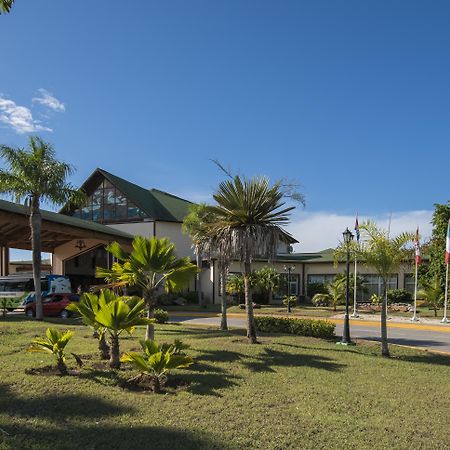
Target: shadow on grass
(427,358)
(21,318)
(99,436)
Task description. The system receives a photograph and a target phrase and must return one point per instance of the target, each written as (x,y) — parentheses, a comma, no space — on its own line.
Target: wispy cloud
(19,118)
(47,99)
(319,230)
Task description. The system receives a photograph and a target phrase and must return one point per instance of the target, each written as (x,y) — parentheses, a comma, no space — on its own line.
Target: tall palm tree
(152,264)
(385,255)
(35,175)
(248,219)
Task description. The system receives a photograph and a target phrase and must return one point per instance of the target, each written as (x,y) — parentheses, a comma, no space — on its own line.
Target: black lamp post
(289,269)
(348,236)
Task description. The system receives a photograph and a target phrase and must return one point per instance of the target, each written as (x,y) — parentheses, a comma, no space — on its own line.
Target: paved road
(412,335)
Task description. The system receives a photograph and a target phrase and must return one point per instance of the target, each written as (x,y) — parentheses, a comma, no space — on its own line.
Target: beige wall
(136,229)
(172,230)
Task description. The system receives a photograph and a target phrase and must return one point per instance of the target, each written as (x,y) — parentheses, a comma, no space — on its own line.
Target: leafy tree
(157,361)
(5,6)
(436,268)
(268,279)
(335,293)
(118,314)
(36,175)
(249,216)
(55,344)
(235,286)
(385,255)
(152,264)
(433,294)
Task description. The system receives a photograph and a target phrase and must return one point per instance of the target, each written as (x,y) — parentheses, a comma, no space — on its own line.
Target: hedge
(303,327)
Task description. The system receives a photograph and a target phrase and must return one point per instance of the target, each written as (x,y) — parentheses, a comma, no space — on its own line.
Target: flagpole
(355,306)
(445,319)
(414,317)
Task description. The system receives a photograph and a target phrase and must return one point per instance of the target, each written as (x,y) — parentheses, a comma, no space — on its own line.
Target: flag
(357,229)
(417,247)
(447,245)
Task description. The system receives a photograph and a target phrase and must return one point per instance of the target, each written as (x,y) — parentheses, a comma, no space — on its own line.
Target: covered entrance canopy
(57,230)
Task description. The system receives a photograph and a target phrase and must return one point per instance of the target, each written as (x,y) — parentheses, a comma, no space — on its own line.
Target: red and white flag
(447,245)
(417,247)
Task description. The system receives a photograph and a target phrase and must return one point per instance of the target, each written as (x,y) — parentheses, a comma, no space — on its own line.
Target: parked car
(53,305)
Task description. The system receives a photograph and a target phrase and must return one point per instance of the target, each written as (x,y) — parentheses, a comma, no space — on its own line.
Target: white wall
(136,229)
(172,230)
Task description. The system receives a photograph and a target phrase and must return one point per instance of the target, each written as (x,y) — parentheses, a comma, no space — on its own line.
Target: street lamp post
(289,269)
(348,236)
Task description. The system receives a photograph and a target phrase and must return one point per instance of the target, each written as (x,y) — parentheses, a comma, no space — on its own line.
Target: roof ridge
(169,194)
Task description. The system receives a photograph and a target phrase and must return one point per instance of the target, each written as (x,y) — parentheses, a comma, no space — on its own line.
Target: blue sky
(351,98)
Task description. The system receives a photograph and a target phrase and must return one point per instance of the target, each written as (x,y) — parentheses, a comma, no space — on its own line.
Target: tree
(248,222)
(335,293)
(35,175)
(436,268)
(385,255)
(432,292)
(5,6)
(235,286)
(268,279)
(152,264)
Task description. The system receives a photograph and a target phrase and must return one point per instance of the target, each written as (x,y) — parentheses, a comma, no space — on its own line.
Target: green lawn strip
(287,392)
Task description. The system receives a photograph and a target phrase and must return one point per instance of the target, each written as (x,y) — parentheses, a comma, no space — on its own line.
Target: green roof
(158,205)
(64,220)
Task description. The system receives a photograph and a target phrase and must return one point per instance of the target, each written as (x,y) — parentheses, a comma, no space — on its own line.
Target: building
(118,209)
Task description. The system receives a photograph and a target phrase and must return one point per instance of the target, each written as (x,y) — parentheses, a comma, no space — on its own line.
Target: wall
(172,230)
(135,228)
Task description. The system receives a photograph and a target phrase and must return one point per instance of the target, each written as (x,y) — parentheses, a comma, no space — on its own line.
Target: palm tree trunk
(384,337)
(103,347)
(150,330)
(62,367)
(199,280)
(223,320)
(114,360)
(251,330)
(156,385)
(270,296)
(35,226)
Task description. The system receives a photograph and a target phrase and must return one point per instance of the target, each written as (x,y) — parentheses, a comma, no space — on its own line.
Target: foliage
(376,299)
(157,361)
(433,294)
(161,316)
(35,175)
(5,6)
(290,300)
(335,294)
(267,280)
(303,327)
(152,263)
(399,296)
(235,286)
(55,344)
(316,288)
(436,248)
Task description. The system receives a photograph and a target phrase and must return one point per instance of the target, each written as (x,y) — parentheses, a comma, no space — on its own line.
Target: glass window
(121,205)
(409,282)
(108,204)
(321,278)
(374,285)
(97,197)
(134,212)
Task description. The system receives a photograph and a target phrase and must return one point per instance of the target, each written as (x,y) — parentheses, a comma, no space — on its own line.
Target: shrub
(291,300)
(399,296)
(316,288)
(302,327)
(161,316)
(191,297)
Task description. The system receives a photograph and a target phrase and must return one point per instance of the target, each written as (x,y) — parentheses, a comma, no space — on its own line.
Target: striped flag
(416,243)
(357,229)
(447,245)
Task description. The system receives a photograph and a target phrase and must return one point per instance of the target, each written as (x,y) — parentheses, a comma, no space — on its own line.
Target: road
(435,338)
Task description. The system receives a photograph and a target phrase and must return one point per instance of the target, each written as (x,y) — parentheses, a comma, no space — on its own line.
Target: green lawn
(286,393)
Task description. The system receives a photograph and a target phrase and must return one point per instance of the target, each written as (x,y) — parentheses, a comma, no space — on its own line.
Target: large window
(321,278)
(108,204)
(374,285)
(409,282)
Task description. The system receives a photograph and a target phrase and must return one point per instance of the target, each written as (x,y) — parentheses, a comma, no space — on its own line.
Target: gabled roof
(158,205)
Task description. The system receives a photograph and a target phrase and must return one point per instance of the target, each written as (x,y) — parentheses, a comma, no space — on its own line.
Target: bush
(291,300)
(399,296)
(302,327)
(161,316)
(316,288)
(190,297)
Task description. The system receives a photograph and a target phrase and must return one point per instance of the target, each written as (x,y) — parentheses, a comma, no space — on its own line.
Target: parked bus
(18,290)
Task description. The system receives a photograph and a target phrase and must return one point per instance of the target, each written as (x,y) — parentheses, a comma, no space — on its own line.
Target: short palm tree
(269,280)
(248,221)
(433,294)
(118,314)
(385,255)
(335,293)
(35,175)
(152,264)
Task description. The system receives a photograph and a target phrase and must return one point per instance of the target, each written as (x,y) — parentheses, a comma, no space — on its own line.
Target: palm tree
(385,255)
(235,286)
(152,264)
(35,175)
(269,280)
(432,292)
(248,219)
(335,293)
(5,6)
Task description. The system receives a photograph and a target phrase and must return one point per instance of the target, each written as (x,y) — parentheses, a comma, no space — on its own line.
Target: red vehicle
(53,305)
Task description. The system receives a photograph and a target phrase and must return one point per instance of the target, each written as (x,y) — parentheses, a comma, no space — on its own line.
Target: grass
(286,393)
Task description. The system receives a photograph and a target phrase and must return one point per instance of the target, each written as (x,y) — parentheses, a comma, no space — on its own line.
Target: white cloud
(19,117)
(320,230)
(47,99)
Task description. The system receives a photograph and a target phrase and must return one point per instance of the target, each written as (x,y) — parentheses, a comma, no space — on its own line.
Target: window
(321,278)
(409,282)
(374,285)
(294,285)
